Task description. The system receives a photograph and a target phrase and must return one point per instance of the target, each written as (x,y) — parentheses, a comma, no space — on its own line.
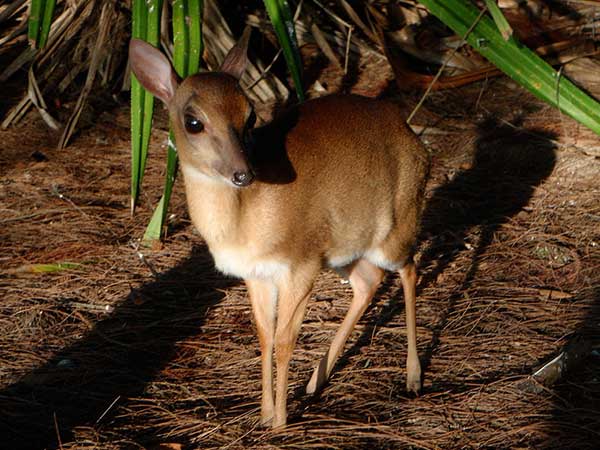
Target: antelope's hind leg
(364,278)
(408,275)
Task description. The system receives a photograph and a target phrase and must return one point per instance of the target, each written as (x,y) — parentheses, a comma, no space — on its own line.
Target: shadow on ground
(115,360)
(508,164)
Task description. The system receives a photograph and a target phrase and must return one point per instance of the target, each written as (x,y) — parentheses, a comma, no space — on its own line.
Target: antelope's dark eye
(192,125)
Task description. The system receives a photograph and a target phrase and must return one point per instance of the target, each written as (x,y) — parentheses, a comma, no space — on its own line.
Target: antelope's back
(355,171)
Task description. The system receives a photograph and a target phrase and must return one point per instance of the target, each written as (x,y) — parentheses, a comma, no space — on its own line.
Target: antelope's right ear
(153,70)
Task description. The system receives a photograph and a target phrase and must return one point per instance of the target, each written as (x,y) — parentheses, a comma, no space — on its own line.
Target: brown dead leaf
(554,294)
(166,446)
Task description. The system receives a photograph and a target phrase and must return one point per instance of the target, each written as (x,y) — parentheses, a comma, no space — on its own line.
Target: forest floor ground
(159,351)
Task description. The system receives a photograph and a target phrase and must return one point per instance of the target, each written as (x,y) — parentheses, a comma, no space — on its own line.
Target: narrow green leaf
(499,19)
(138,101)
(35,16)
(181,39)
(288,20)
(195,8)
(154,229)
(46,22)
(139,19)
(517,61)
(137,108)
(146,26)
(283,24)
(152,37)
(46,268)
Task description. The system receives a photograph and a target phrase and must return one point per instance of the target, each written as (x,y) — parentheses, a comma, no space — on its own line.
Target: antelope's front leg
(294,292)
(263,295)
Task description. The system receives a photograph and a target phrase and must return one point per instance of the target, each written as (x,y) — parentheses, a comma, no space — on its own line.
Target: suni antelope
(337,181)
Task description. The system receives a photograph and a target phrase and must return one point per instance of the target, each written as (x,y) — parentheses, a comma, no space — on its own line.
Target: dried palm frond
(85,38)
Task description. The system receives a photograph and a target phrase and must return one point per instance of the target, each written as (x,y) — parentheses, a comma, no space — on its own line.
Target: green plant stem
(283,24)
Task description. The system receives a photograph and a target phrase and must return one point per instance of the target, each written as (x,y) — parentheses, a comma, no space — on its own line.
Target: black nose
(243,178)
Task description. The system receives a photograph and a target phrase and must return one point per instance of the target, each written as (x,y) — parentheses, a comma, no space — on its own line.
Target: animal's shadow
(115,360)
(507,165)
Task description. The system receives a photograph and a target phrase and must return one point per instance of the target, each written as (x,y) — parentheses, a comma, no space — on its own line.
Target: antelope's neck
(214,209)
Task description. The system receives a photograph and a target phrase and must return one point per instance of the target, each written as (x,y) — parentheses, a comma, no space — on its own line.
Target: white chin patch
(192,174)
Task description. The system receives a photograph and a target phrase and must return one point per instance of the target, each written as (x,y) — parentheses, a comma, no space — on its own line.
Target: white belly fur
(374,255)
(243,263)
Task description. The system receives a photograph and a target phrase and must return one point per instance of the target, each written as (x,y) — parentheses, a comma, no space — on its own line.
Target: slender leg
(263,295)
(364,278)
(408,274)
(293,296)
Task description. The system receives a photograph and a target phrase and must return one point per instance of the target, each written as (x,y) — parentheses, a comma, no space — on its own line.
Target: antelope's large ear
(153,70)
(237,59)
